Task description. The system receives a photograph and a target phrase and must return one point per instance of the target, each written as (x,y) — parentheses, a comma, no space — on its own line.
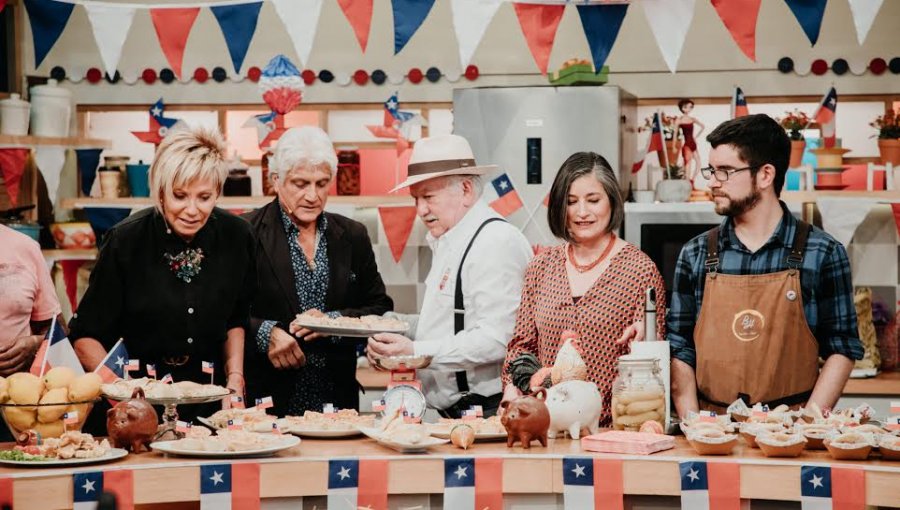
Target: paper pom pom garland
(219,74)
(309,76)
(840,66)
(878,66)
(378,77)
(201,75)
(433,74)
(472,73)
(819,67)
(281,85)
(254,74)
(94,75)
(149,76)
(361,77)
(894,65)
(415,76)
(166,76)
(58,73)
(326,76)
(112,79)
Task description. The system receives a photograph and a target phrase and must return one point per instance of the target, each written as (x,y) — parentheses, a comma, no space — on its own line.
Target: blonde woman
(175,281)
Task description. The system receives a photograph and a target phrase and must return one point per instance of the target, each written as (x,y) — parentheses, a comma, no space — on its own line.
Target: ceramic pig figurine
(526,419)
(132,423)
(573,406)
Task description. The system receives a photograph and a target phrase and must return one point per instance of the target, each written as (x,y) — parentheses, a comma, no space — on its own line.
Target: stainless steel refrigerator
(530,131)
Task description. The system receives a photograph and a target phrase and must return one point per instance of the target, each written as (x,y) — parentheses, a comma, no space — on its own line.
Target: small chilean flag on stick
(354,483)
(473,484)
(592,483)
(113,365)
(739,104)
(508,200)
(825,117)
(229,486)
(209,367)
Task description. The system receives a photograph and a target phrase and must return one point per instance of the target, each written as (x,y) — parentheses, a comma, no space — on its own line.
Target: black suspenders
(459,307)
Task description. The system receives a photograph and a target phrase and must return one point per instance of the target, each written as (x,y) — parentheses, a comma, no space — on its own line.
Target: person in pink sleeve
(28,301)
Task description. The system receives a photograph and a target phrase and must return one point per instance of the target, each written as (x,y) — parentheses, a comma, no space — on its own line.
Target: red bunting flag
(739,17)
(173,26)
(608,484)
(12,166)
(121,484)
(398,224)
(359,14)
(372,492)
(539,24)
(2,5)
(488,483)
(245,490)
(70,279)
(6,482)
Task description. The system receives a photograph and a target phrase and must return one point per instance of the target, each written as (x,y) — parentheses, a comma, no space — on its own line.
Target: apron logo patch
(748,325)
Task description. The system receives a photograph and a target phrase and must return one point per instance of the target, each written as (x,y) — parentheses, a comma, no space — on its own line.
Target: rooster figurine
(527,372)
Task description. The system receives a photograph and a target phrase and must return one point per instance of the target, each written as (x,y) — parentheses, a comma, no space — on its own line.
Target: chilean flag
(88,486)
(56,350)
(825,116)
(508,200)
(710,486)
(654,144)
(739,104)
(229,486)
(113,365)
(473,484)
(592,483)
(826,488)
(354,483)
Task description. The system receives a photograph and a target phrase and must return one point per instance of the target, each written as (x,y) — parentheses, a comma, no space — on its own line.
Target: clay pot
(526,419)
(797,148)
(890,150)
(132,423)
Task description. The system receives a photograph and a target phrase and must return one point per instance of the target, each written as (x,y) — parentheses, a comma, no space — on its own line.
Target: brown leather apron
(752,338)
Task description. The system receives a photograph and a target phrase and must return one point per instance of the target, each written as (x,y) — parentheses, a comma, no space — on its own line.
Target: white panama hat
(439,156)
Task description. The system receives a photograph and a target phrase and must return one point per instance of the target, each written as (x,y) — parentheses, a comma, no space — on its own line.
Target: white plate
(111,455)
(350,332)
(375,434)
(297,431)
(169,448)
(479,436)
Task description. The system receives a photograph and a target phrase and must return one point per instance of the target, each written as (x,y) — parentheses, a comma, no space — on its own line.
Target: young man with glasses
(757,300)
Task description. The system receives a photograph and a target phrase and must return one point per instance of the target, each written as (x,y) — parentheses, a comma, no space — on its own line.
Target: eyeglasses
(722,174)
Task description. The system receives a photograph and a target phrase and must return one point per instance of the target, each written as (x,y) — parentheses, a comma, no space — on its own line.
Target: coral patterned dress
(600,316)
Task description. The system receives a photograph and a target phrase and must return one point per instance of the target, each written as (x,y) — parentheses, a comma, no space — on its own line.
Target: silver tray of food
(352,327)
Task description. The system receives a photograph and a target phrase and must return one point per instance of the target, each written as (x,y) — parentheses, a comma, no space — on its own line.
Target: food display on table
(889,446)
(132,423)
(462,436)
(483,428)
(250,419)
(227,443)
(394,432)
(72,447)
(50,405)
(155,390)
(350,326)
(341,423)
(781,444)
(712,441)
(850,445)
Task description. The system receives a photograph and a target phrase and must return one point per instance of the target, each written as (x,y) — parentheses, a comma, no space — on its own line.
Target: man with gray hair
(473,289)
(307,259)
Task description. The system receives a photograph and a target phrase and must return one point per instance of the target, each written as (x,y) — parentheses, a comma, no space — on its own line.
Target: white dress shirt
(492,280)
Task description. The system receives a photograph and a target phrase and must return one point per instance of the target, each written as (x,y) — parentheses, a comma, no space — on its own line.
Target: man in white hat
(473,289)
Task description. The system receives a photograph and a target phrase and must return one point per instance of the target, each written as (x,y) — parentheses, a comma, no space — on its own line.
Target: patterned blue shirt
(311,385)
(824,279)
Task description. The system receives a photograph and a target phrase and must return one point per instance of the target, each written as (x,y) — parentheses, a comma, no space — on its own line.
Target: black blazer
(355,288)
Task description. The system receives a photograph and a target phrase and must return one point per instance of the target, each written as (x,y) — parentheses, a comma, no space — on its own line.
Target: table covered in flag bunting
(339,469)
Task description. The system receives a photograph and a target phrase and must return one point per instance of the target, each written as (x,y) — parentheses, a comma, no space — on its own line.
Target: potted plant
(793,123)
(888,126)
(669,124)
(674,187)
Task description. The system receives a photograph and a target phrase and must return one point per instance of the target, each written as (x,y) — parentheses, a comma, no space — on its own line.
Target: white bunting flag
(300,18)
(111,24)
(841,216)
(470,21)
(864,12)
(669,21)
(50,161)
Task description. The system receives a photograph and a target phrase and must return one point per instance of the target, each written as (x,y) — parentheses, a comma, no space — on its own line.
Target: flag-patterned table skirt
(360,473)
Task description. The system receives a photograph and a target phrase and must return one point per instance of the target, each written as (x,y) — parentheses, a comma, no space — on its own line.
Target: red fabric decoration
(878,66)
(361,77)
(173,26)
(94,75)
(415,75)
(70,279)
(739,17)
(472,72)
(154,133)
(539,24)
(359,14)
(819,67)
(254,73)
(398,224)
(201,75)
(6,482)
(12,165)
(309,76)
(149,76)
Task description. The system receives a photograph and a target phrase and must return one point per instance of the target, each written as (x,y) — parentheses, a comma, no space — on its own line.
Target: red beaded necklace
(587,267)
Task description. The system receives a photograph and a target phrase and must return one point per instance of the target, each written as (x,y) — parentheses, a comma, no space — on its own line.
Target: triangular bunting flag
(669,21)
(88,161)
(840,217)
(398,224)
(12,166)
(470,21)
(408,17)
(601,25)
(50,161)
(359,14)
(864,12)
(300,18)
(70,279)
(173,26)
(110,24)
(539,24)
(739,17)
(48,19)
(809,13)
(238,24)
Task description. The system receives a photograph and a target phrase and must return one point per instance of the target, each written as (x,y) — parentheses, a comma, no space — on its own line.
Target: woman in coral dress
(689,153)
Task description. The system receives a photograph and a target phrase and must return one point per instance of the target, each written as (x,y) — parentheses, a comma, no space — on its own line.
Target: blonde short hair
(306,145)
(184,156)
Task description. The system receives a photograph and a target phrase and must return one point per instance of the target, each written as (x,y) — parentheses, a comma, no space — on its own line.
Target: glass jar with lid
(638,393)
(348,178)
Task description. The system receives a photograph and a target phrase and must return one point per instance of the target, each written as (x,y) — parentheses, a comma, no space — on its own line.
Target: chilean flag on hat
(354,483)
(113,365)
(229,486)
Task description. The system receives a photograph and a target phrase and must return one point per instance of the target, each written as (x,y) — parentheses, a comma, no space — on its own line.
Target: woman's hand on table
(284,352)
(633,333)
(234,382)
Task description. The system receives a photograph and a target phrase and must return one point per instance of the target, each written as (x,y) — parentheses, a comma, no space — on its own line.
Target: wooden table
(302,471)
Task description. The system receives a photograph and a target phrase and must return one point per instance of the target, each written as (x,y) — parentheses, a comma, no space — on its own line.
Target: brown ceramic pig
(526,419)
(131,424)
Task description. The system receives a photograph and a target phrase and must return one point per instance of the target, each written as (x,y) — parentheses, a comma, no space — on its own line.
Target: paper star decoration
(158,125)
(88,486)
(269,128)
(816,480)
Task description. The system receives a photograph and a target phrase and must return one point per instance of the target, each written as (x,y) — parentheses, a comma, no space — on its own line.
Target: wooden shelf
(234,202)
(811,196)
(53,256)
(32,141)
(885,383)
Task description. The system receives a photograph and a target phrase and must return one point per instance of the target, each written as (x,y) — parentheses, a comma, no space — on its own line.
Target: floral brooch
(186,264)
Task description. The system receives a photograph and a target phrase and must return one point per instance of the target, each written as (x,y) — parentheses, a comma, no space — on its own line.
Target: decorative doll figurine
(689,149)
